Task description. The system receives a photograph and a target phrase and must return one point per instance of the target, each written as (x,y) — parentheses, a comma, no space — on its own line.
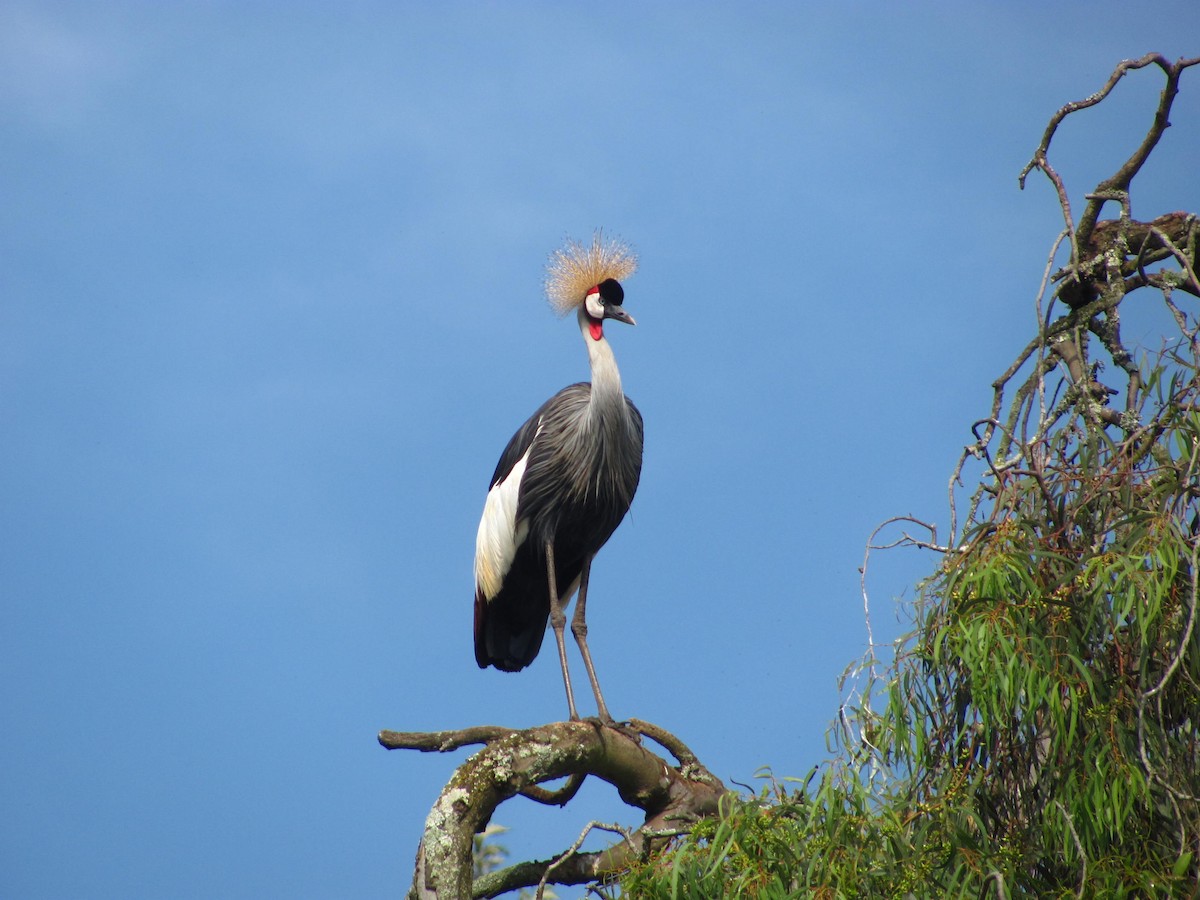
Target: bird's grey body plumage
(584,464)
(562,486)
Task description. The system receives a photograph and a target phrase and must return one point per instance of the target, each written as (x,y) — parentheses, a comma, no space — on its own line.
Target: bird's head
(603,301)
(585,277)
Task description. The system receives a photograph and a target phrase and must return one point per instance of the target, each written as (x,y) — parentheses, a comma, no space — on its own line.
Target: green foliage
(1037,733)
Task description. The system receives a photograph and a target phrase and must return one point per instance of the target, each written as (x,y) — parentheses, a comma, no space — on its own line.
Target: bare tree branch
(1123,177)
(1076,289)
(441,741)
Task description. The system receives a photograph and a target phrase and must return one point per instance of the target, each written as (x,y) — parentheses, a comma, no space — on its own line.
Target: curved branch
(1039,155)
(516,762)
(688,761)
(561,797)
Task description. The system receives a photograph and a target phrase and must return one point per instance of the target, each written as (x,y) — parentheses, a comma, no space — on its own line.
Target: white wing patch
(499,531)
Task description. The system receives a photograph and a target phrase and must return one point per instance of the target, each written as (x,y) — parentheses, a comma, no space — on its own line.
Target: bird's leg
(558,620)
(579,629)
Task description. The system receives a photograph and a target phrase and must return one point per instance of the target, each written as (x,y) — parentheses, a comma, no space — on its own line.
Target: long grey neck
(606,380)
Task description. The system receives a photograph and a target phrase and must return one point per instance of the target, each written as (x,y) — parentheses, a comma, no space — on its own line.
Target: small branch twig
(1078,847)
(441,741)
(1180,256)
(574,848)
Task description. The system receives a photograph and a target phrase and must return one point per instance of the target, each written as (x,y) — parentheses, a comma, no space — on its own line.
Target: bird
(563,484)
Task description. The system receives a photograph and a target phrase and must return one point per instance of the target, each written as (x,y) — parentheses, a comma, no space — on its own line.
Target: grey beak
(613,311)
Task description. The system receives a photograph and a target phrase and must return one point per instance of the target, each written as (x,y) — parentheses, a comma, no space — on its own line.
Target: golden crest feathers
(576,267)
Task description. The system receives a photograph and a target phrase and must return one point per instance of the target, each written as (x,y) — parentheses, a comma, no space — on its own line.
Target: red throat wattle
(596,327)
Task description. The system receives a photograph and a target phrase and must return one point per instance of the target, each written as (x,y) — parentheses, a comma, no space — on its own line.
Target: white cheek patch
(594,307)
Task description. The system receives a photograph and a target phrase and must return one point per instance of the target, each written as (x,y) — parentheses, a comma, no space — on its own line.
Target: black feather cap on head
(611,291)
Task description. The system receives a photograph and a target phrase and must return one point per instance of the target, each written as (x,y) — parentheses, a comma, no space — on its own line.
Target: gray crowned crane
(563,483)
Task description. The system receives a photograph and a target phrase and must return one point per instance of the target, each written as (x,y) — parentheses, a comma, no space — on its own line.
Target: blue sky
(270,308)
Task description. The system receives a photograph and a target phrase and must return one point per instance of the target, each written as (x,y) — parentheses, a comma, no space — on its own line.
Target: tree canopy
(1035,733)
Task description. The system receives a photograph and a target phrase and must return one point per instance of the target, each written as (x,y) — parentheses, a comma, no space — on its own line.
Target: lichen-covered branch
(517,762)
